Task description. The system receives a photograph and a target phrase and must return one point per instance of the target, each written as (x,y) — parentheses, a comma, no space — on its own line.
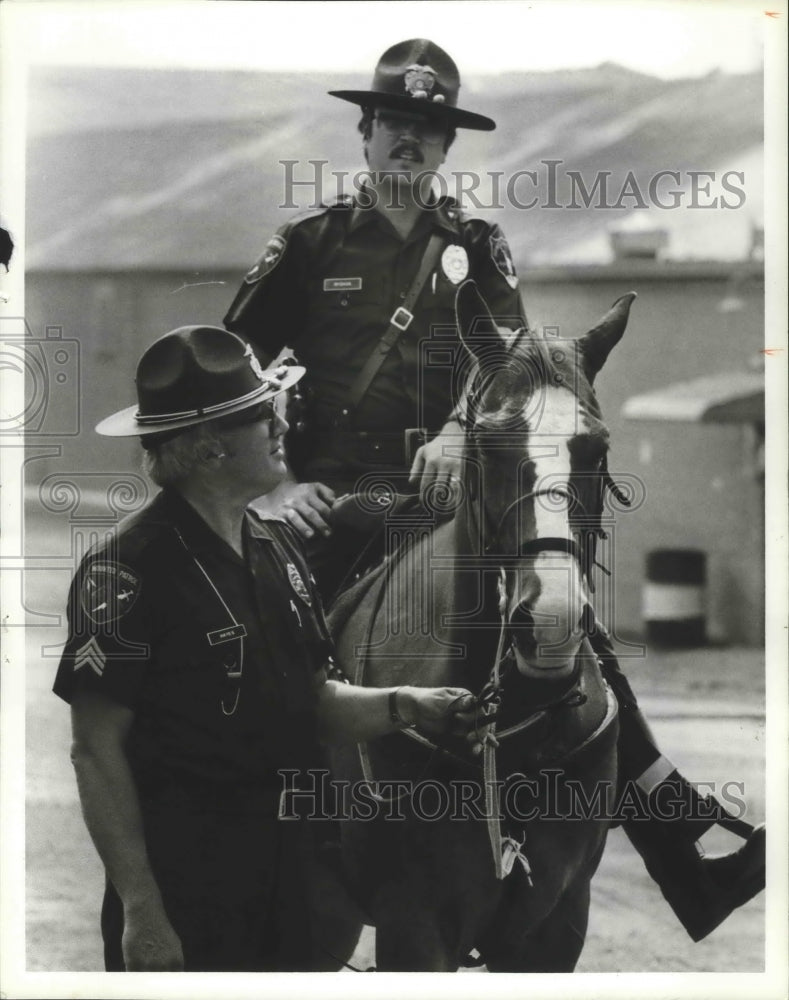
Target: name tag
(226,634)
(342,284)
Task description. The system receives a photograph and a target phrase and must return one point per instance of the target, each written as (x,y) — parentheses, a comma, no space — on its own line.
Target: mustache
(411,148)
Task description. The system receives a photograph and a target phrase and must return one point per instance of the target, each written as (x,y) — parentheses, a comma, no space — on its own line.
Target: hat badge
(254,364)
(419,81)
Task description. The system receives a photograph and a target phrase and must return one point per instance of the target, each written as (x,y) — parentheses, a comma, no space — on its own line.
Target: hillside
(161,169)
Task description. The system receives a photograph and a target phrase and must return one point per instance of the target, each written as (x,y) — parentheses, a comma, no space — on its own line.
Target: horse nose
(521,617)
(523,629)
(547,619)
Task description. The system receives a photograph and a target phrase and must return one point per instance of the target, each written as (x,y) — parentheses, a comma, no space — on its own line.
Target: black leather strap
(394,715)
(398,324)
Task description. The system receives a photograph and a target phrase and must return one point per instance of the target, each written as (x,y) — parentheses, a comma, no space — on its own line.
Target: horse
(449,851)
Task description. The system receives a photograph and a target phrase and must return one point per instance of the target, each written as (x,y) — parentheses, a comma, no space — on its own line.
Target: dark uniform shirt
(220,658)
(326,286)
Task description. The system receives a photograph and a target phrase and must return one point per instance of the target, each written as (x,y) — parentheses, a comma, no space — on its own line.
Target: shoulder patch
(502,258)
(268,260)
(109,591)
(276,246)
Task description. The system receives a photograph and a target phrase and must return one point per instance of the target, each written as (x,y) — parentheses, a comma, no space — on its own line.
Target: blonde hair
(169,460)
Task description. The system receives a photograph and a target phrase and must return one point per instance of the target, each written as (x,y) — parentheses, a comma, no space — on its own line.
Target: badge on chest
(454,263)
(298,585)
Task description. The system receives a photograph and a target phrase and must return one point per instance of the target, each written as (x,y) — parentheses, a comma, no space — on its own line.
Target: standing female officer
(195,668)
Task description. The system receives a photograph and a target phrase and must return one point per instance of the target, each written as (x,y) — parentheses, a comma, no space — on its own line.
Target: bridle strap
(537,545)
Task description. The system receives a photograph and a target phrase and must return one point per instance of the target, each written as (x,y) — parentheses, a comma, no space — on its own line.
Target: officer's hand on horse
(149,942)
(306,507)
(437,465)
(444,710)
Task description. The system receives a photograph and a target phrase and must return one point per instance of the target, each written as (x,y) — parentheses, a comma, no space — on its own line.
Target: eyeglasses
(395,124)
(265,411)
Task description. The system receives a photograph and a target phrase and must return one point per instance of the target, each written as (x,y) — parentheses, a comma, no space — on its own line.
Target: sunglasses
(261,412)
(395,125)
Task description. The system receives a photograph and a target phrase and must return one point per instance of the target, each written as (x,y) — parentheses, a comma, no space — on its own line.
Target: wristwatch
(394,715)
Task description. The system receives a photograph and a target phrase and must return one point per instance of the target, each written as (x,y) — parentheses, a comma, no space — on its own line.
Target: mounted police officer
(196,669)
(363,292)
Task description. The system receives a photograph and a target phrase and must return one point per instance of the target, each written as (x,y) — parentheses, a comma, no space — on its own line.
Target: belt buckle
(401,318)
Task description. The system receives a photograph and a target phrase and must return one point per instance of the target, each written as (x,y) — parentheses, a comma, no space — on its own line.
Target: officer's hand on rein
(443,710)
(436,467)
(307,508)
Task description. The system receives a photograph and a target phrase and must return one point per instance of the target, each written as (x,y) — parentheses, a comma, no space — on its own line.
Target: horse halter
(534,546)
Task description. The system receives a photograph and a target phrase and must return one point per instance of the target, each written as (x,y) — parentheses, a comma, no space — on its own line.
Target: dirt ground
(701,716)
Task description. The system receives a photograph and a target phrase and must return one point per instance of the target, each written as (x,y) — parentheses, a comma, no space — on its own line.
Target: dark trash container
(675,598)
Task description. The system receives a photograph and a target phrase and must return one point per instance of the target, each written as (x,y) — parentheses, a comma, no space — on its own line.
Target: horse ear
(598,343)
(478,331)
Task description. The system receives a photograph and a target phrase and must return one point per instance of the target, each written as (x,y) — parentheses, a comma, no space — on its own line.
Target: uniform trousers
(232,888)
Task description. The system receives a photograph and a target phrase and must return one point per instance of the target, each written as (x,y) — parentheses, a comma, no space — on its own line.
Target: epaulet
(276,246)
(308,213)
(276,528)
(264,519)
(128,541)
(342,202)
(139,531)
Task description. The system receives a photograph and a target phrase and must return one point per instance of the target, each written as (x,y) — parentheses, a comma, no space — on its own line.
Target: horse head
(535,473)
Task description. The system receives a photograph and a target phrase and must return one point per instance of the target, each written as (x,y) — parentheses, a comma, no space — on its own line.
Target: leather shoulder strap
(399,322)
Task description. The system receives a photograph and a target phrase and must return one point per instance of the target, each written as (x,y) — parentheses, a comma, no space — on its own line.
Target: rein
(505,850)
(488,703)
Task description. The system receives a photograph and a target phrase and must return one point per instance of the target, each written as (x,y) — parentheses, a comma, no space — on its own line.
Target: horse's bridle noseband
(532,546)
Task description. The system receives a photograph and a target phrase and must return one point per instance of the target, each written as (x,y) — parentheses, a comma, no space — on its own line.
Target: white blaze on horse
(494,851)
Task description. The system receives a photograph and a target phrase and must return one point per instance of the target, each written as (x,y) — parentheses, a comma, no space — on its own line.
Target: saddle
(360,519)
(369,513)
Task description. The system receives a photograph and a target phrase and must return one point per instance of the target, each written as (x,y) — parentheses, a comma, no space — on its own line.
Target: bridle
(532,546)
(489,698)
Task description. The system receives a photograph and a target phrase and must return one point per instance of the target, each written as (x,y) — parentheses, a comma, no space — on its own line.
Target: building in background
(150,193)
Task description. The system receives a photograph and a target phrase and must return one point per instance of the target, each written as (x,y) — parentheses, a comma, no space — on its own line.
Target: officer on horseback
(363,292)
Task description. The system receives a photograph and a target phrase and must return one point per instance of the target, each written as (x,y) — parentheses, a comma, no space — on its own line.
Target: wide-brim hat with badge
(418,76)
(194,374)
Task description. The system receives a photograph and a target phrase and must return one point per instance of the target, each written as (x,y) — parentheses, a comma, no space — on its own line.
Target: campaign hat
(194,374)
(418,76)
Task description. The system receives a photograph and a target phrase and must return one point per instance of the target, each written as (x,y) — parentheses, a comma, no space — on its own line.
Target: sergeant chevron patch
(91,655)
